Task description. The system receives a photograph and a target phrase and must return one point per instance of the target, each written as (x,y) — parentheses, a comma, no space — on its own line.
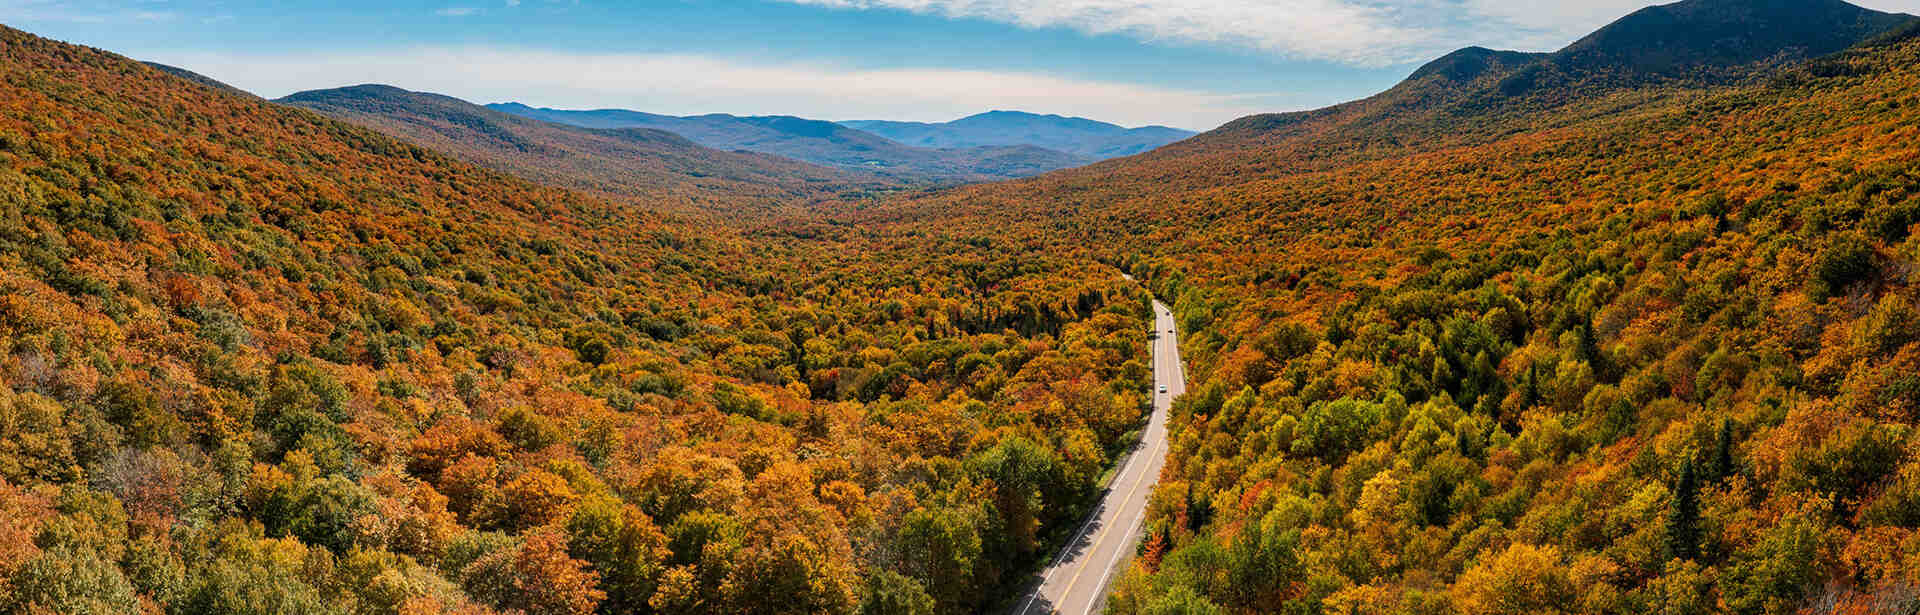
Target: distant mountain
(1698,42)
(1699,37)
(1650,61)
(825,143)
(1686,44)
(1068,134)
(630,163)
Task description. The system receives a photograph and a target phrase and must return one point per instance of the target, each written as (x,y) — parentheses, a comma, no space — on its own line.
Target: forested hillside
(260,361)
(1471,97)
(1600,330)
(645,167)
(1645,348)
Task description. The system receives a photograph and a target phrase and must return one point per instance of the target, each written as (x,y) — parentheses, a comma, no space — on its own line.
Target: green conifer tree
(1683,519)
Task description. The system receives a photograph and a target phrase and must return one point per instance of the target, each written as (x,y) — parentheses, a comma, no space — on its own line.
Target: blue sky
(1186,63)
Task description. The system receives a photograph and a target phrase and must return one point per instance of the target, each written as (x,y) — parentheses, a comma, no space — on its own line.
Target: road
(1075,583)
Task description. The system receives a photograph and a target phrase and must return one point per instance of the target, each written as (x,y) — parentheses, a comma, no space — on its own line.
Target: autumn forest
(1574,332)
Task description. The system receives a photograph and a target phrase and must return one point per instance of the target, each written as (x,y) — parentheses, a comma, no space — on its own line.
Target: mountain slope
(649,166)
(823,143)
(200,79)
(1081,136)
(1702,38)
(1648,348)
(254,359)
(1690,44)
(1472,97)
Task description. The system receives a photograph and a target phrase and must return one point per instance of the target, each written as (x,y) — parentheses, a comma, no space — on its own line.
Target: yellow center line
(1143,462)
(1104,528)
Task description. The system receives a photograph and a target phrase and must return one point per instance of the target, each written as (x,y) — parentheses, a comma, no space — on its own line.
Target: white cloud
(1358,32)
(1337,30)
(1549,25)
(691,84)
(1543,26)
(457,11)
(1911,7)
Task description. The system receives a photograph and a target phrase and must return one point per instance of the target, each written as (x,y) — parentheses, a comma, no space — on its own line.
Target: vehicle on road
(1163,389)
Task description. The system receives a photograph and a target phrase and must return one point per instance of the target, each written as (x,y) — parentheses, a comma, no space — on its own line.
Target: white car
(1163,389)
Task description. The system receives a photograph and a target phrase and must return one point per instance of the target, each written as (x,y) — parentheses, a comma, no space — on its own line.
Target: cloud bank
(692,84)
(1354,32)
(1338,30)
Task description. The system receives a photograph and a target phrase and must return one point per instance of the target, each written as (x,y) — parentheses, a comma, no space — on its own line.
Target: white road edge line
(1137,463)
(1062,556)
(1115,560)
(1068,591)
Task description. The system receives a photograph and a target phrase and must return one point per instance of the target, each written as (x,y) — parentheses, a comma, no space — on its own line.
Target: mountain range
(1073,135)
(998,144)
(826,143)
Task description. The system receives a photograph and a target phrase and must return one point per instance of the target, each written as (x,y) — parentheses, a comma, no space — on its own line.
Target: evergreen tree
(1199,509)
(1723,451)
(1683,519)
(1590,352)
(1533,385)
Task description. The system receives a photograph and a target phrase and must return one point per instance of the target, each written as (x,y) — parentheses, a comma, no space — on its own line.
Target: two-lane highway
(1075,583)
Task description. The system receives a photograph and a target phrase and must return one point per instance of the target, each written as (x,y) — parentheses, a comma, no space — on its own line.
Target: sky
(1190,64)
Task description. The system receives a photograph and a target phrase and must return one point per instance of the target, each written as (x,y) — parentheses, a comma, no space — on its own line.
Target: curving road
(1075,583)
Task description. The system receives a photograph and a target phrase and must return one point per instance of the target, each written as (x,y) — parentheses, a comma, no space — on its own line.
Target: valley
(1627,326)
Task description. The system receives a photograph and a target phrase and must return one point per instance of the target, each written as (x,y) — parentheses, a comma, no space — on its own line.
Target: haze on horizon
(1190,64)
